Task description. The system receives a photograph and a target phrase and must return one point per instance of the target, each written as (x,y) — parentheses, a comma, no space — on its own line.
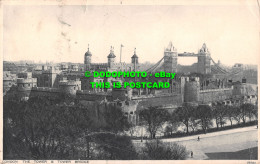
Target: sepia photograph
(118,80)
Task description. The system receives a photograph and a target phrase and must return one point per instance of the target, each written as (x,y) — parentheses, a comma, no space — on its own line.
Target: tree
(237,114)
(109,146)
(184,114)
(204,113)
(193,124)
(215,114)
(157,150)
(255,112)
(218,112)
(44,129)
(246,110)
(222,113)
(48,128)
(154,117)
(231,113)
(173,123)
(115,120)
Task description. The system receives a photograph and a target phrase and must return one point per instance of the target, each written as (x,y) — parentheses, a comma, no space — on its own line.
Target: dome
(88,53)
(134,56)
(111,55)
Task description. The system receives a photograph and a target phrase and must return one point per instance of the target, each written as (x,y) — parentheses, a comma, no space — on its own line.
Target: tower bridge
(169,61)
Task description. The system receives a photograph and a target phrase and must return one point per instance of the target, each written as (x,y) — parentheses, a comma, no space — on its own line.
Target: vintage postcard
(121,81)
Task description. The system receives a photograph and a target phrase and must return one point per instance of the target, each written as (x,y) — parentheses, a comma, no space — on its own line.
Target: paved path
(223,141)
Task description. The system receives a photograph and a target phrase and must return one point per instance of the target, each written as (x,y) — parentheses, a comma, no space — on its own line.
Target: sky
(62,33)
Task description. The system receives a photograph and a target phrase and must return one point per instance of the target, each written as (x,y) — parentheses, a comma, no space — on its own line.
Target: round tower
(69,87)
(111,57)
(134,60)
(25,86)
(87,59)
(191,90)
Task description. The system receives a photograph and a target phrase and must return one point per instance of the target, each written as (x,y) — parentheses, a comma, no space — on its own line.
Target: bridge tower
(204,60)
(170,59)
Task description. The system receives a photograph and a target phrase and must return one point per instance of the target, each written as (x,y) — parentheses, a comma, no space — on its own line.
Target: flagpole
(120,52)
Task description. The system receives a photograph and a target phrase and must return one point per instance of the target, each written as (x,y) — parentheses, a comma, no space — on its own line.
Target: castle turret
(87,60)
(25,82)
(111,58)
(134,60)
(204,60)
(69,87)
(191,90)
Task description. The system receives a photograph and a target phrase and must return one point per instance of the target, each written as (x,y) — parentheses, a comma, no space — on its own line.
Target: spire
(88,53)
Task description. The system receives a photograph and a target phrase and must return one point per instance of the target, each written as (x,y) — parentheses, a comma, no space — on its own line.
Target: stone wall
(162,101)
(88,96)
(44,91)
(211,95)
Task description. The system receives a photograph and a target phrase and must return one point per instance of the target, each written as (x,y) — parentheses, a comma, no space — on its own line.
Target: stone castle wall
(45,91)
(211,95)
(88,96)
(162,101)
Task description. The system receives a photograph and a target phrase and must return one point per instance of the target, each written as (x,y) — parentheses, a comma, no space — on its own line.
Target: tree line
(54,129)
(193,117)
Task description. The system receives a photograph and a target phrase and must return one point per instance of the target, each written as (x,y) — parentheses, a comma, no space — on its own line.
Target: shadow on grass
(246,154)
